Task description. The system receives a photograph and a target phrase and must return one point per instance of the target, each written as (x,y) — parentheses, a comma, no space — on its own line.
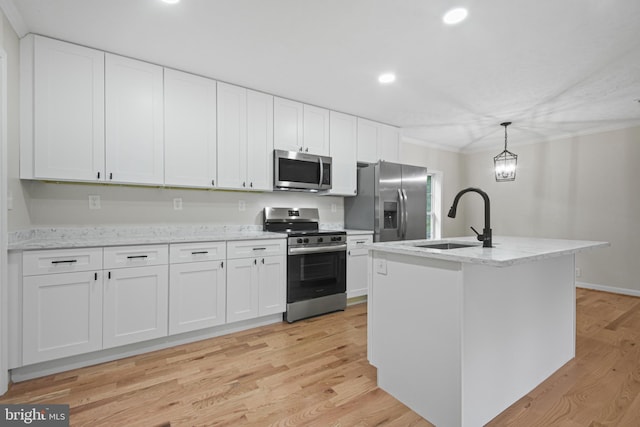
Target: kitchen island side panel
(416,310)
(518,329)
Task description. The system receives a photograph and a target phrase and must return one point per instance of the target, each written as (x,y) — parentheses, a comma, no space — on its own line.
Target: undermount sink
(445,246)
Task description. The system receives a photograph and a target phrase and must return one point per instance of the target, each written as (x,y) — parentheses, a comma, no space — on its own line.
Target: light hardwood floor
(315,373)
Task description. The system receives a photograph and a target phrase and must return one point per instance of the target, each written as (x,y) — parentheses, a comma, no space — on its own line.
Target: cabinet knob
(251,184)
(263,260)
(98,175)
(110,175)
(213,182)
(306,150)
(222,264)
(244,184)
(255,262)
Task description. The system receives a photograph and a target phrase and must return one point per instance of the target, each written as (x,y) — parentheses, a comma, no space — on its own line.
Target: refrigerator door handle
(405,212)
(400,213)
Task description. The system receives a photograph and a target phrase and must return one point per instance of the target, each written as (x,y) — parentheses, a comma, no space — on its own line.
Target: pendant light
(505,163)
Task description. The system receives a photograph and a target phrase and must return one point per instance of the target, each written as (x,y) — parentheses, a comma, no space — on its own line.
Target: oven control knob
(319,239)
(299,240)
(338,238)
(306,240)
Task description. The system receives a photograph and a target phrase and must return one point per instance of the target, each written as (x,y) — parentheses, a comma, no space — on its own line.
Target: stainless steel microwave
(301,171)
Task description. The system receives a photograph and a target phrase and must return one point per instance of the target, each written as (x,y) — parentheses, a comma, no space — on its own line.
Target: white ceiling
(554,68)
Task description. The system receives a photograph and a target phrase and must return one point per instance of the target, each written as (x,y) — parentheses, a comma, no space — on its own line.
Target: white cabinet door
(343,143)
(259,141)
(134,121)
(62,315)
(367,141)
(242,289)
(316,130)
(272,287)
(232,136)
(197,295)
(135,305)
(67,113)
(189,130)
(389,143)
(377,141)
(357,265)
(287,124)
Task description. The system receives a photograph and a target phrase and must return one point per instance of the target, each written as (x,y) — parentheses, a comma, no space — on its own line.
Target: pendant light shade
(505,163)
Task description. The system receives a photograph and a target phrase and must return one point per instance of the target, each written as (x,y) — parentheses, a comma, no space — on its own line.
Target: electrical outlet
(9,200)
(177,204)
(578,272)
(241,206)
(381,266)
(94,202)
(333,207)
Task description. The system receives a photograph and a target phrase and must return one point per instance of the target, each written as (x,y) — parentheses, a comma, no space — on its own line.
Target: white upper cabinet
(62,116)
(245,138)
(316,130)
(300,127)
(389,143)
(232,136)
(134,121)
(367,141)
(343,150)
(259,140)
(287,124)
(377,141)
(189,130)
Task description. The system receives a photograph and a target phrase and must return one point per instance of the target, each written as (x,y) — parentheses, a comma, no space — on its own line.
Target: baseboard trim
(611,289)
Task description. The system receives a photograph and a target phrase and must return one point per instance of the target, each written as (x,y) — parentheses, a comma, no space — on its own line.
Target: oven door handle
(314,250)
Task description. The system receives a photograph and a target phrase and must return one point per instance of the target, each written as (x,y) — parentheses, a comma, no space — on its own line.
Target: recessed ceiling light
(387,78)
(455,16)
(171,1)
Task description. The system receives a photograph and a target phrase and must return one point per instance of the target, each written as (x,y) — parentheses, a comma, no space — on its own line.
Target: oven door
(316,274)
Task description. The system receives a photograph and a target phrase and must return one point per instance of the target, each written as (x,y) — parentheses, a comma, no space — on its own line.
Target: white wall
(583,188)
(53,204)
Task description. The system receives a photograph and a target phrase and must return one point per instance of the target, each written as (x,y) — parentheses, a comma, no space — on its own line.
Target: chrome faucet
(485,237)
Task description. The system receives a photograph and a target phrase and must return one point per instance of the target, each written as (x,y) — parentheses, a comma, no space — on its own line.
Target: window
(434,204)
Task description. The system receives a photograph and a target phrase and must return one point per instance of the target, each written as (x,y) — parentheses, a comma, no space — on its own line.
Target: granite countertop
(506,250)
(76,237)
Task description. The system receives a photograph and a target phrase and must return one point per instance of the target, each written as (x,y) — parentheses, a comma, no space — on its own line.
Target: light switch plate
(381,266)
(94,202)
(177,204)
(241,206)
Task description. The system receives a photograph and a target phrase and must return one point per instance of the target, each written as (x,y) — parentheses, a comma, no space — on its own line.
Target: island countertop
(506,250)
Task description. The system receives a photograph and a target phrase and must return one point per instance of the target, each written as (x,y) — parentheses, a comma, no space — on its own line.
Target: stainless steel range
(316,262)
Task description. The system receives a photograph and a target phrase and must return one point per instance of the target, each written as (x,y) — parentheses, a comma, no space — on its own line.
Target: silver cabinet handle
(65,261)
(259,249)
(199,252)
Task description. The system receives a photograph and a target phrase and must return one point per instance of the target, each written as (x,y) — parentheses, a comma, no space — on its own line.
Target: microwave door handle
(405,211)
(400,213)
(321,172)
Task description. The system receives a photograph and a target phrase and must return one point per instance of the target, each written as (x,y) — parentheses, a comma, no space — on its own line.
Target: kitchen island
(460,334)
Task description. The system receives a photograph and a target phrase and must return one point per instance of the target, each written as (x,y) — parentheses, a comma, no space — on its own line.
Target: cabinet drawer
(61,261)
(135,256)
(355,244)
(193,252)
(251,248)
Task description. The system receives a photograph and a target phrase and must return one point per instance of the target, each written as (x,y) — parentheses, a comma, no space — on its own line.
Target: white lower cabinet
(62,315)
(136,296)
(357,265)
(135,305)
(197,287)
(80,300)
(256,285)
(61,303)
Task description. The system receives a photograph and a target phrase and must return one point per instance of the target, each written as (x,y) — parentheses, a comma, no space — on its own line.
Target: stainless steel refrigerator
(391,201)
